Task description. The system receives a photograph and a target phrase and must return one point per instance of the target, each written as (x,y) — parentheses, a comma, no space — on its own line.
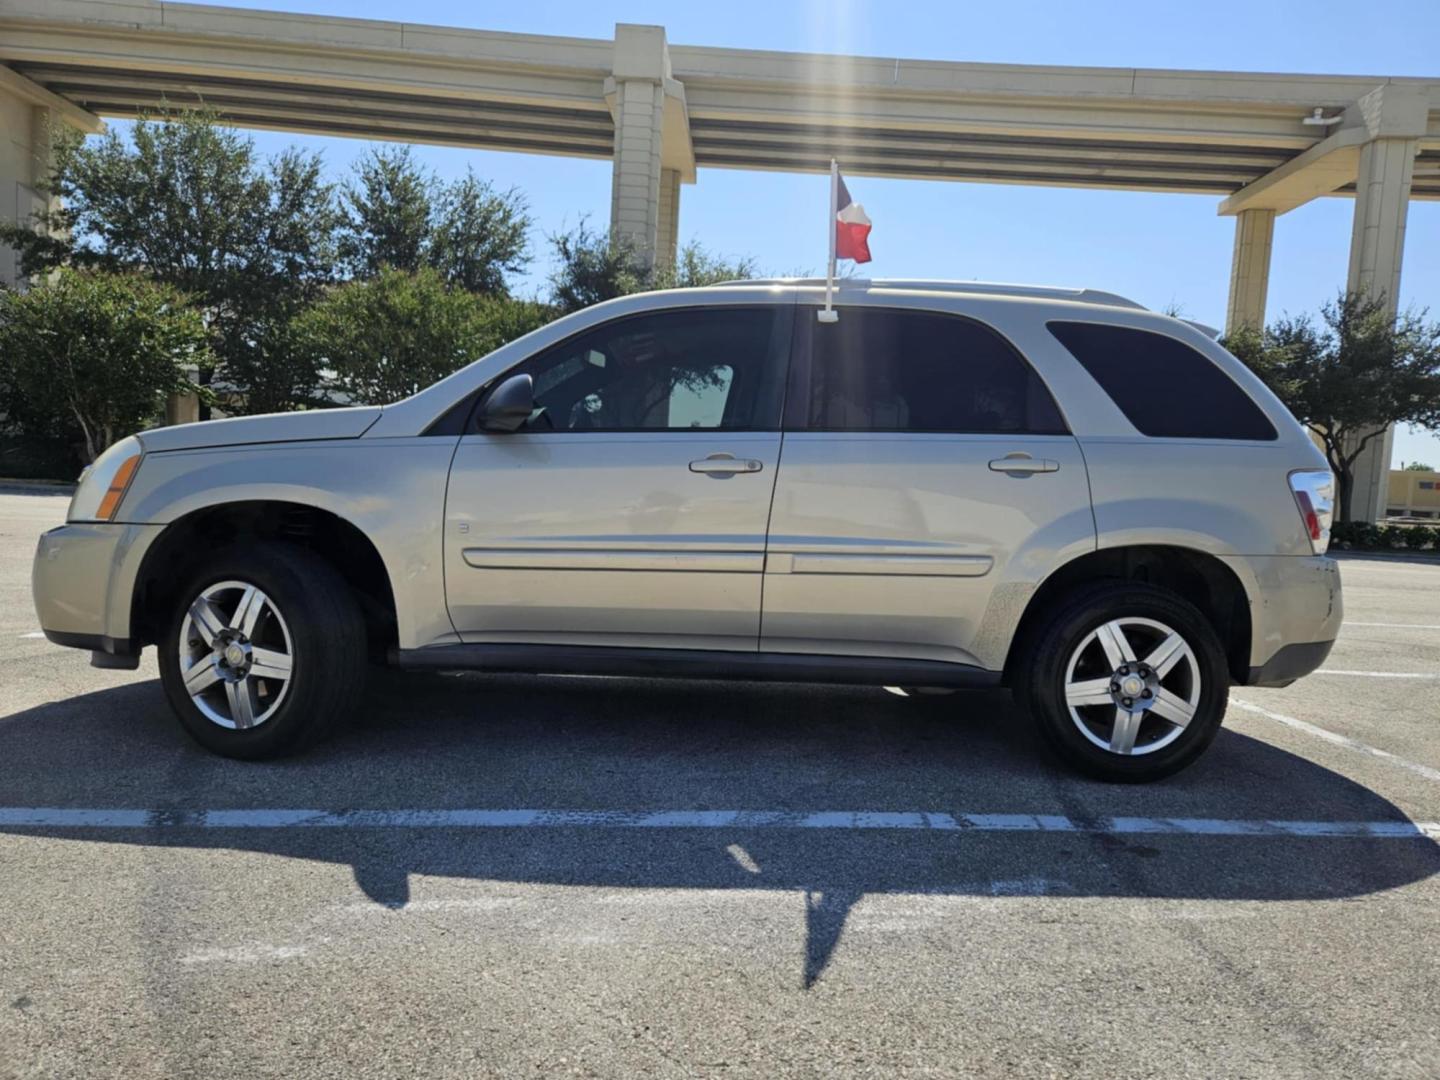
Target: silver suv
(954,485)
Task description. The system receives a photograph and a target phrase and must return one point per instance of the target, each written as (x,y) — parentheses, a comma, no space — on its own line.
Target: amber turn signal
(116,491)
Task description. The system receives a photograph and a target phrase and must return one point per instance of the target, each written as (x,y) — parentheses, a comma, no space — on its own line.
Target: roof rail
(988,288)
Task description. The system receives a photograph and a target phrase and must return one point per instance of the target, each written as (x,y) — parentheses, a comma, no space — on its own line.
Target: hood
(273,427)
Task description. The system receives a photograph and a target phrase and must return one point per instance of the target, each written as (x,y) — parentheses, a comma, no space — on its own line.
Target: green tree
(398,332)
(96,353)
(694,267)
(189,203)
(1350,376)
(1419,466)
(388,205)
(399,215)
(479,236)
(591,267)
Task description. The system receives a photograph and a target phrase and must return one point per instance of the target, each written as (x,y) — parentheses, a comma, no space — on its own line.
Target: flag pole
(830,315)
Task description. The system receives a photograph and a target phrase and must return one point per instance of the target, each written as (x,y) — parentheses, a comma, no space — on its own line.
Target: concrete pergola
(1263,143)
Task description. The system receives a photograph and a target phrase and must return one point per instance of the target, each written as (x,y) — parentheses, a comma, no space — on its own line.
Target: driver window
(682,370)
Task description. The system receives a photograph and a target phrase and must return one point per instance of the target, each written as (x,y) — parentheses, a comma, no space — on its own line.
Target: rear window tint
(881,369)
(1163,386)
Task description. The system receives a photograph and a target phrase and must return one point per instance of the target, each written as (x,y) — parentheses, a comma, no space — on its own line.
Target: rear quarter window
(1163,386)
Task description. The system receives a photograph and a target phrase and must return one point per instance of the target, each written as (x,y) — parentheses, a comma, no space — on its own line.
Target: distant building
(1413,494)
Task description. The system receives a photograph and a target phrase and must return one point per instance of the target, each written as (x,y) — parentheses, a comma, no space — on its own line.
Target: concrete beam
(1118,128)
(1326,167)
(1395,110)
(13,83)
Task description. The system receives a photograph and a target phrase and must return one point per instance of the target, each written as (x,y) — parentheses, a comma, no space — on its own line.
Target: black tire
(1041,677)
(327,645)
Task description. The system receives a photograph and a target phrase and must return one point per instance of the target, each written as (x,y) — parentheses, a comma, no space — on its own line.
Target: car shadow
(495,742)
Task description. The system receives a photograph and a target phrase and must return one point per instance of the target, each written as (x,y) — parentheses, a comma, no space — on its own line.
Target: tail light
(1314,491)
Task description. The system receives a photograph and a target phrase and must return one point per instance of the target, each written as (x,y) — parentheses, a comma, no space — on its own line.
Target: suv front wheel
(265,651)
(1125,681)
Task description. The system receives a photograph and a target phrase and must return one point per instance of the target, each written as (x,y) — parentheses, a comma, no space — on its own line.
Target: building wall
(17,195)
(1413,494)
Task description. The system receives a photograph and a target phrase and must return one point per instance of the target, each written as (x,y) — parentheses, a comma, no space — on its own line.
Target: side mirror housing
(508,406)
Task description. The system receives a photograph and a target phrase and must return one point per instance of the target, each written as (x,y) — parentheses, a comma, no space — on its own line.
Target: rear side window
(888,370)
(1163,386)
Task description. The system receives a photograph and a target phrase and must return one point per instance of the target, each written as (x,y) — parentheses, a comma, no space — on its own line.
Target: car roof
(974,288)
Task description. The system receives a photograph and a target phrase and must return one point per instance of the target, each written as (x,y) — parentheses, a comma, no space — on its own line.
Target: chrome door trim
(907,565)
(596,558)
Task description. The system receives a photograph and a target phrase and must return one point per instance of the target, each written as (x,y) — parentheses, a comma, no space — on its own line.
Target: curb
(53,487)
(1387,556)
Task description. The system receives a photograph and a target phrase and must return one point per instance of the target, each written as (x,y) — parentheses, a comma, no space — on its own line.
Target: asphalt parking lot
(508,877)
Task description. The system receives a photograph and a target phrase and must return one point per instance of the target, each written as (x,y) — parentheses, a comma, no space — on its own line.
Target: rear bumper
(83,582)
(1296,608)
(1290,663)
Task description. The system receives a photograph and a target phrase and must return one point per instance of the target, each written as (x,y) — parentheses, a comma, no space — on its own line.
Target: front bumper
(83,583)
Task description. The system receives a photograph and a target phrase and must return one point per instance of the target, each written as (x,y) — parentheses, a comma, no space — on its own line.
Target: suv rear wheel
(1125,681)
(265,651)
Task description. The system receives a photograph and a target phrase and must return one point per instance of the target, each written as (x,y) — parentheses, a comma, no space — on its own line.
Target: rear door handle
(1023,463)
(723,464)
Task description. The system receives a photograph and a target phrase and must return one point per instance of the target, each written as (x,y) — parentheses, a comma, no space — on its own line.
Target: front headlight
(104,482)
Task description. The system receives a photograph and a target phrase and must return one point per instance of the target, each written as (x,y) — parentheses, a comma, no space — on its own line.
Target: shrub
(1393,536)
(1421,536)
(398,332)
(1368,534)
(92,355)
(1343,535)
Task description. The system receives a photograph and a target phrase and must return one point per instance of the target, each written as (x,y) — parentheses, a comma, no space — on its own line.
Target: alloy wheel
(236,655)
(1132,686)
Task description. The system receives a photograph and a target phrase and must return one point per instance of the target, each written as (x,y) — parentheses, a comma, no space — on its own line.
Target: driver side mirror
(508,406)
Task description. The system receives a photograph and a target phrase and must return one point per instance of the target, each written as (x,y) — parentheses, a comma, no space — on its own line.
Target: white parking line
(34,634)
(1394,625)
(277,818)
(1339,740)
(1379,674)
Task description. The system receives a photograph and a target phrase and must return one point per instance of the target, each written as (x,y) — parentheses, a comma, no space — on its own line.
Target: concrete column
(1377,247)
(29,114)
(635,187)
(1382,201)
(183,408)
(637,93)
(1250,269)
(24,164)
(668,230)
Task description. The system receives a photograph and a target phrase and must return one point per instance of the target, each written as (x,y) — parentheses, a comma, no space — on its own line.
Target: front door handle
(1021,462)
(723,464)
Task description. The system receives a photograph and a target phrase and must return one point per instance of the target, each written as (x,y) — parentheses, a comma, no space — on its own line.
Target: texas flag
(852,227)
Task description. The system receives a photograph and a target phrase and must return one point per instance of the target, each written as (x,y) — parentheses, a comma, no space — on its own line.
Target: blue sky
(1159,248)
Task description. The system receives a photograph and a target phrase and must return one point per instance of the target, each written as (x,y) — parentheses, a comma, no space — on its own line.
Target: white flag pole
(830,315)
